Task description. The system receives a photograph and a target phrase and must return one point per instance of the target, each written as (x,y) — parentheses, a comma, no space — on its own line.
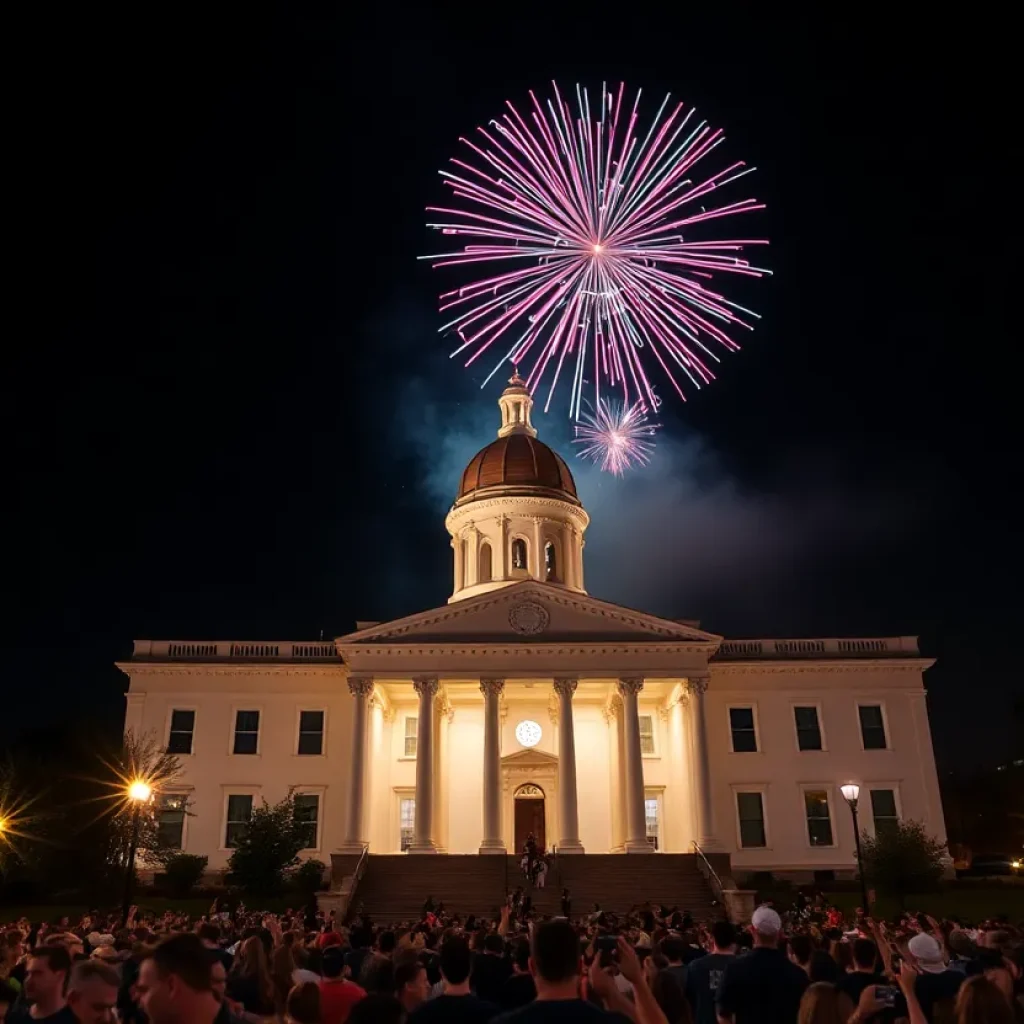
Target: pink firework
(616,437)
(598,232)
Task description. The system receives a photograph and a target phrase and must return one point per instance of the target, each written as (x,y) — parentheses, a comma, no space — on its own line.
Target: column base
(638,846)
(353,846)
(564,847)
(493,846)
(424,848)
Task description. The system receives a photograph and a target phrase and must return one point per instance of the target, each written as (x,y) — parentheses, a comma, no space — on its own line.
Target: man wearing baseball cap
(935,981)
(764,987)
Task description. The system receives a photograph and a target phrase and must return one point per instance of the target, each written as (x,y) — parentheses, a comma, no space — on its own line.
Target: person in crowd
(209,935)
(302,1004)
(218,983)
(865,962)
(411,984)
(378,1008)
(519,988)
(456,1004)
(46,978)
(935,983)
(8,997)
(491,969)
(703,977)
(92,992)
(174,985)
(337,994)
(820,1004)
(379,968)
(12,962)
(672,948)
(249,982)
(565,904)
(763,987)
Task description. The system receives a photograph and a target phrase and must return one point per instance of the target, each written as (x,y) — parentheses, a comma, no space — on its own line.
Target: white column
(613,718)
(697,686)
(538,546)
(460,571)
(636,820)
(423,837)
(355,827)
(568,811)
(492,841)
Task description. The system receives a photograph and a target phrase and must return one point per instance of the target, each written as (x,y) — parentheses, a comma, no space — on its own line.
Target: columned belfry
(516,515)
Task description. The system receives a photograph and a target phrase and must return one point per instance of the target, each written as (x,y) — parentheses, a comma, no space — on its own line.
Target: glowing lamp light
(3,824)
(1013,864)
(139,791)
(850,792)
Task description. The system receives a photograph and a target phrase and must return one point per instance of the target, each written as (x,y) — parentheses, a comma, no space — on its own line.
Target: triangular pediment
(533,758)
(531,613)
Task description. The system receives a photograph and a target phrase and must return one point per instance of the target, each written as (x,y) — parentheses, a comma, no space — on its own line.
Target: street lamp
(851,793)
(139,793)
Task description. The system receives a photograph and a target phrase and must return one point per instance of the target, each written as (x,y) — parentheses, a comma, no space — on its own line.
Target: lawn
(147,904)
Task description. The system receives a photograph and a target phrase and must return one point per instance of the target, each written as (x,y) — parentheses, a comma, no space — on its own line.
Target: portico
(455,745)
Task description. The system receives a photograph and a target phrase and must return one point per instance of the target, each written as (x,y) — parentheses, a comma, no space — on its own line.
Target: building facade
(526,705)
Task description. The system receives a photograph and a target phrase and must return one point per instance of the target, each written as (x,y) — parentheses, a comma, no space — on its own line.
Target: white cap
(766,921)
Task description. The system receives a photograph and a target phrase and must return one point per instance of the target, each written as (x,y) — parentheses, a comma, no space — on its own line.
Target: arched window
(485,562)
(550,563)
(519,553)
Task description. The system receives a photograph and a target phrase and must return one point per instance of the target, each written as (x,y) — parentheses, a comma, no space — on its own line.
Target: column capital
(360,686)
(426,686)
(492,687)
(565,686)
(697,685)
(630,686)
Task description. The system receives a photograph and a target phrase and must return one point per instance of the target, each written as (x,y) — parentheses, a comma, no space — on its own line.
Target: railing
(235,650)
(709,873)
(852,647)
(356,877)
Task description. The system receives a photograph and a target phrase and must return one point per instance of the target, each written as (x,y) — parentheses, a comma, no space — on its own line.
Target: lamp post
(851,793)
(139,793)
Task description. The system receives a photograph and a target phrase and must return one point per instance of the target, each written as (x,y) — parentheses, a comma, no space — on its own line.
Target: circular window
(528,733)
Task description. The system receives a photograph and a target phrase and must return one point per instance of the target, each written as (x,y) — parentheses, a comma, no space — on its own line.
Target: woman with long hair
(282,969)
(820,1005)
(979,1001)
(250,982)
(302,1006)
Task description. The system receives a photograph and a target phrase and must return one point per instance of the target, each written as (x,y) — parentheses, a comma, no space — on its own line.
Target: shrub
(183,873)
(267,848)
(902,859)
(308,877)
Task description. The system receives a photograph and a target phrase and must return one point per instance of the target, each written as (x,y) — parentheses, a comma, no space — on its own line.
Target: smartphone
(886,994)
(897,962)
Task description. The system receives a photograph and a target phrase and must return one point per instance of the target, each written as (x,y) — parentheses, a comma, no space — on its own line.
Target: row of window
(172,809)
(520,560)
(807,723)
(246,735)
(818,815)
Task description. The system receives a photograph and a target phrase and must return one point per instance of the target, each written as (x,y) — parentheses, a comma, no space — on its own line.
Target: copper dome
(517,463)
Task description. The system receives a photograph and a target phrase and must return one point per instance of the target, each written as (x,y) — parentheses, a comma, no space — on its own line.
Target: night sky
(229,414)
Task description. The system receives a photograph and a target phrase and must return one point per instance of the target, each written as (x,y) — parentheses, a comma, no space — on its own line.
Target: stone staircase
(394,886)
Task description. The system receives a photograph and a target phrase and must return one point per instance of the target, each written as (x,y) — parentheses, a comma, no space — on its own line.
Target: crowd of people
(806,965)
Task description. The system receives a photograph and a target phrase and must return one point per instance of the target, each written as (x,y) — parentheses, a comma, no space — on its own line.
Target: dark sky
(229,414)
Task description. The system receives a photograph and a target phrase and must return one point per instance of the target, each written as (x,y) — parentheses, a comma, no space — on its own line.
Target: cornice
(473,650)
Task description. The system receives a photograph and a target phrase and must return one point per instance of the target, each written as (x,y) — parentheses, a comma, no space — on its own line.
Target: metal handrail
(707,870)
(357,875)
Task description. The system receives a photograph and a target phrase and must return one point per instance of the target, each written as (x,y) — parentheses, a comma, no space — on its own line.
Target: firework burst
(616,437)
(604,231)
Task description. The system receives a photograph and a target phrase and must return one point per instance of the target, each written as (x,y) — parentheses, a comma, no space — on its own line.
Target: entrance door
(529,818)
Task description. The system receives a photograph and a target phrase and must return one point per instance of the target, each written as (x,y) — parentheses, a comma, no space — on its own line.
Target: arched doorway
(528,800)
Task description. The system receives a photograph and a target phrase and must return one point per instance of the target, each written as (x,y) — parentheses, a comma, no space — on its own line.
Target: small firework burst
(616,437)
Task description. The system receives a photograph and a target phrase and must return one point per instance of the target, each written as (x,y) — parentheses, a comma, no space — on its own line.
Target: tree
(267,848)
(142,758)
(902,859)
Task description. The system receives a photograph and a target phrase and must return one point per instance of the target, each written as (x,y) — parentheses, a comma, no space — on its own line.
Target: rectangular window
(872,726)
(307,816)
(183,725)
(311,732)
(407,822)
(651,816)
(750,808)
(808,729)
(646,734)
(819,819)
(239,813)
(883,810)
(744,735)
(247,732)
(170,820)
(411,726)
